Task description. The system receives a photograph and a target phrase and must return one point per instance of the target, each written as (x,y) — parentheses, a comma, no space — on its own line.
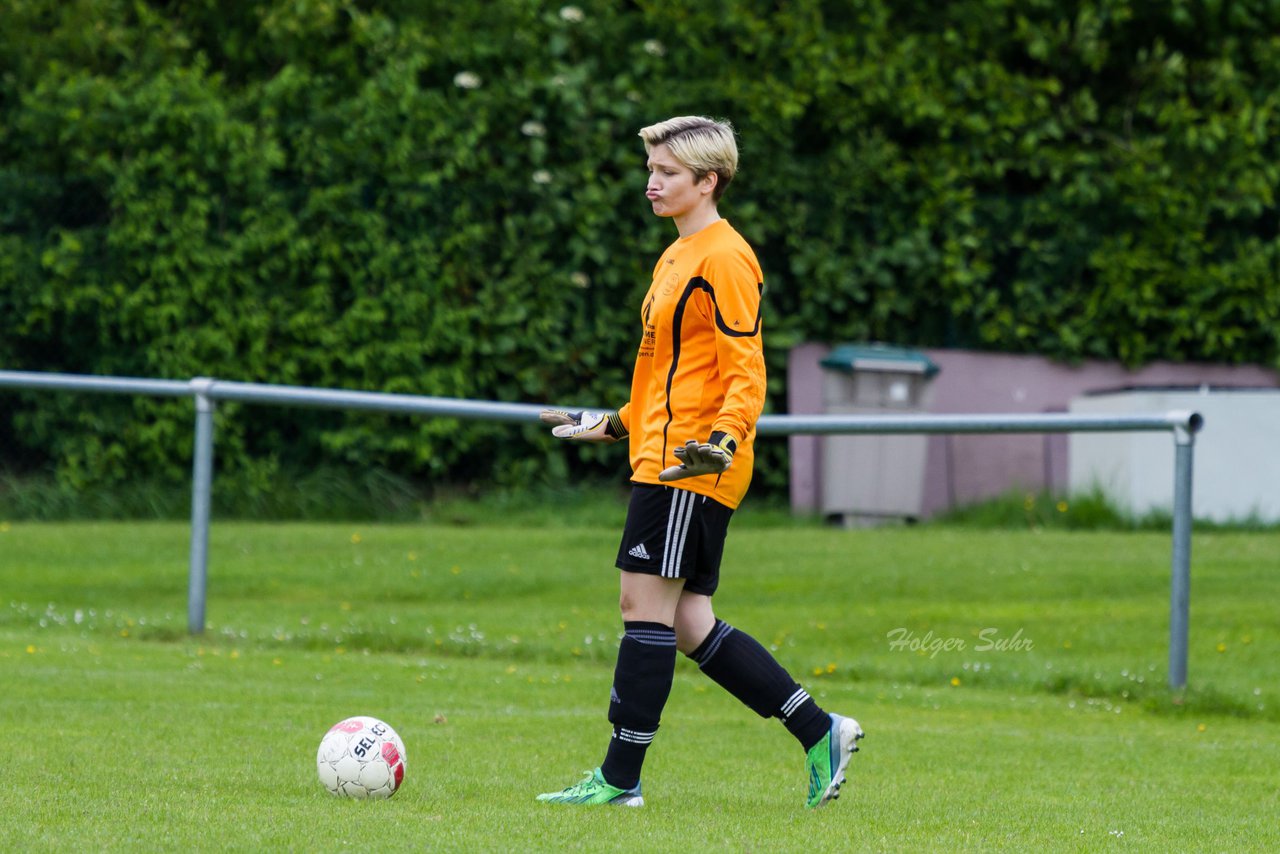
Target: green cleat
(594,790)
(828,758)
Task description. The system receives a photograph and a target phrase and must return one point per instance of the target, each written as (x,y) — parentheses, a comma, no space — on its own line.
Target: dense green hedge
(445,198)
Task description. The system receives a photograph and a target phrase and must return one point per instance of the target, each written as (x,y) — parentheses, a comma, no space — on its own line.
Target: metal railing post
(1180,583)
(201,491)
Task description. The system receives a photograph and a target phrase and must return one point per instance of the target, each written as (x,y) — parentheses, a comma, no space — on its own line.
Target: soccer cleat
(594,790)
(828,758)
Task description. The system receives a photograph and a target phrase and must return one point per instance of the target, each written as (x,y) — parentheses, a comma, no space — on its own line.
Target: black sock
(744,668)
(641,684)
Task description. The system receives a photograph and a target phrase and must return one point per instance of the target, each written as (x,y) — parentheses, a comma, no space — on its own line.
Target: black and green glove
(711,457)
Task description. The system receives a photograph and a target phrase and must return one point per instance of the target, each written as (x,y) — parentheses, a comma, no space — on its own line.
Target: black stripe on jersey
(703,284)
(697,283)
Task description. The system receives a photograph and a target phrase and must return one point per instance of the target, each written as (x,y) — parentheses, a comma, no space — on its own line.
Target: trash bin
(869,478)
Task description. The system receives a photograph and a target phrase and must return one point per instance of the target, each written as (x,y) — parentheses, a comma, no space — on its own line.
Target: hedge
(446,199)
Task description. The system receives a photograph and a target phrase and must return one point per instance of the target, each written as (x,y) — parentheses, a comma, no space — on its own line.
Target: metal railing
(206,392)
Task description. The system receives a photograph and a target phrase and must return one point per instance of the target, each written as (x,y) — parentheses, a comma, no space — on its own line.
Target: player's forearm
(743,375)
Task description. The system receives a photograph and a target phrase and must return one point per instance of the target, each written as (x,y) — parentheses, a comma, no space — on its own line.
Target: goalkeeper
(696,393)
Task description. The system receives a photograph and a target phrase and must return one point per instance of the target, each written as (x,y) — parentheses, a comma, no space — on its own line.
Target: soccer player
(696,393)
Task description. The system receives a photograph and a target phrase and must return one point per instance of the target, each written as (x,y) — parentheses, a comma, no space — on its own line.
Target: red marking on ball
(349,725)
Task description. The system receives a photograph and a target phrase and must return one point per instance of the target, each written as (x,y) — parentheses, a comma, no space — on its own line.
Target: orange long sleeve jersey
(700,367)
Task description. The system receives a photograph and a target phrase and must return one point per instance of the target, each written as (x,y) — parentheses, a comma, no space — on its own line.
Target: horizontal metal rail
(100,385)
(207,391)
(1006,423)
(449,407)
(408,404)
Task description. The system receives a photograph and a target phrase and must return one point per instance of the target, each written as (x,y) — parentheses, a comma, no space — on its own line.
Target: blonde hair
(700,144)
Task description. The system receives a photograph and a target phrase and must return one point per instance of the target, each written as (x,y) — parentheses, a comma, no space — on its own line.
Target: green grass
(320,494)
(329,494)
(1085,511)
(490,649)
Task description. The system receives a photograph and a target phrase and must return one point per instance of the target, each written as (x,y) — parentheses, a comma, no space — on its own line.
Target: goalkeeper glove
(584,426)
(711,457)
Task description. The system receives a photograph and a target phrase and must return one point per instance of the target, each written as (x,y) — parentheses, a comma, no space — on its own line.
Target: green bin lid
(851,358)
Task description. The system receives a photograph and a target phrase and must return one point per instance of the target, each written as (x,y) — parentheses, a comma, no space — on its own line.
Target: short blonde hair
(700,144)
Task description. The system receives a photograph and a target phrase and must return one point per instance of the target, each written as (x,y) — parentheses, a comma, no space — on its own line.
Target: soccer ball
(361,757)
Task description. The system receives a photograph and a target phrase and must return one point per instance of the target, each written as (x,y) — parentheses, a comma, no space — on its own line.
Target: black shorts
(675,533)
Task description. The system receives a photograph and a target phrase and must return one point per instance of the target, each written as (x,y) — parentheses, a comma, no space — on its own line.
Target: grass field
(1012,685)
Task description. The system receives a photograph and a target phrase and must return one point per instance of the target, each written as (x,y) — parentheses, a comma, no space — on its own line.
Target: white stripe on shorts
(671,523)
(688,509)
(677,531)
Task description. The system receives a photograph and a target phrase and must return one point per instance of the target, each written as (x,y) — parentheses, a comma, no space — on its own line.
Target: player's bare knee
(692,626)
(635,605)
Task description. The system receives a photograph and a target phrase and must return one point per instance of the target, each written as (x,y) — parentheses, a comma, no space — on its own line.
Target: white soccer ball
(361,757)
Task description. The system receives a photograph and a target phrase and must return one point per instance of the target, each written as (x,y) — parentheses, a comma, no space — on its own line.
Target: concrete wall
(967,468)
(1236,473)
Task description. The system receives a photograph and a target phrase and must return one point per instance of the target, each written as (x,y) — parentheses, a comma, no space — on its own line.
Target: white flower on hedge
(572,14)
(466,80)
(542,176)
(560,81)
(580,279)
(653,47)
(532,128)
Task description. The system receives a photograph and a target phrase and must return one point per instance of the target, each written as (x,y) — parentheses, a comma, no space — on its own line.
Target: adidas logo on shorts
(640,552)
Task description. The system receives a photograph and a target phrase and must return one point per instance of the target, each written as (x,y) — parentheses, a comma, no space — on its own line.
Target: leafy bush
(444,199)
